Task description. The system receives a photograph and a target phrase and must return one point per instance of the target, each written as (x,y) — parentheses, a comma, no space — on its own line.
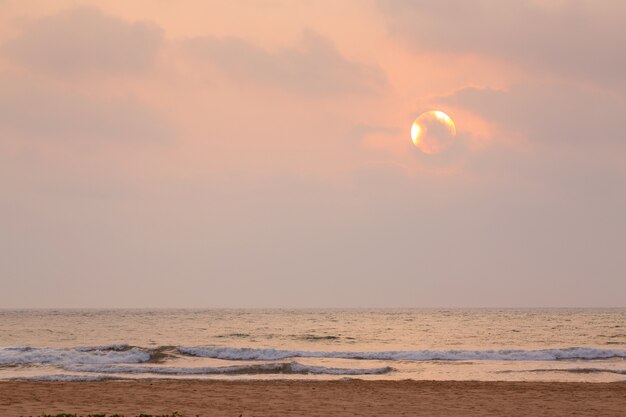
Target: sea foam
(254,369)
(68,378)
(55,356)
(571,353)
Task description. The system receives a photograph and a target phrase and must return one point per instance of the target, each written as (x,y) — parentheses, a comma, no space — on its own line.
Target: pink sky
(257,153)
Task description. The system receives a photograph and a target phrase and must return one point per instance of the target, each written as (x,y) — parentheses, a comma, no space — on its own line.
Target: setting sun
(433,132)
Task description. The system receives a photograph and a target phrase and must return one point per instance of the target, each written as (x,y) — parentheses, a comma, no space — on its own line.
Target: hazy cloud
(361,130)
(84,40)
(34,111)
(314,66)
(285,196)
(579,39)
(553,113)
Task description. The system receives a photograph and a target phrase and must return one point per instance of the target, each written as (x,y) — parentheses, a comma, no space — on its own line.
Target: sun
(433,132)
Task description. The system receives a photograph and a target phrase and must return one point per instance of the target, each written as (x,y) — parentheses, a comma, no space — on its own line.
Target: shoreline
(314,398)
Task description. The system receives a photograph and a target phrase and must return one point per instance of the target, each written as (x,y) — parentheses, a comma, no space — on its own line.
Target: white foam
(26,355)
(416,355)
(249,354)
(266,368)
(320,370)
(67,378)
(580,370)
(118,347)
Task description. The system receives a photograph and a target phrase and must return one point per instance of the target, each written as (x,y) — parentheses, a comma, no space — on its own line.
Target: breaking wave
(81,355)
(68,378)
(587,371)
(119,347)
(256,369)
(572,370)
(572,353)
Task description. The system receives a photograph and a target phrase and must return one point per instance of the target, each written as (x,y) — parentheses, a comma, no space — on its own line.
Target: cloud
(573,39)
(32,110)
(313,67)
(549,113)
(362,130)
(85,41)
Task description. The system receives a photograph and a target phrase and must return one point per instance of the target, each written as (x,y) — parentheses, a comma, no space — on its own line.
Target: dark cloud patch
(85,41)
(574,39)
(32,111)
(551,113)
(313,67)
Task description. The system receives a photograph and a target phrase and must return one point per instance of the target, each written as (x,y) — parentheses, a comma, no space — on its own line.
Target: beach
(571,345)
(223,363)
(315,398)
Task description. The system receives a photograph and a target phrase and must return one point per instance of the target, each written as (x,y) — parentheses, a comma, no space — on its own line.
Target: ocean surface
(421,344)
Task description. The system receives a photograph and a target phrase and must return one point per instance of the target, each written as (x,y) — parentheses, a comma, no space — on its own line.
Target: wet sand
(315,398)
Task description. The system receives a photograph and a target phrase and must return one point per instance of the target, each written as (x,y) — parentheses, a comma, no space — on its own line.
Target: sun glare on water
(433,132)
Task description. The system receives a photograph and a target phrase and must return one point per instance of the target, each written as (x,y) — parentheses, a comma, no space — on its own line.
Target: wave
(87,355)
(119,347)
(572,370)
(256,369)
(315,338)
(572,353)
(234,335)
(125,354)
(67,378)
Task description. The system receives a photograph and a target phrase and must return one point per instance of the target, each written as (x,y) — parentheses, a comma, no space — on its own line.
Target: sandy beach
(307,398)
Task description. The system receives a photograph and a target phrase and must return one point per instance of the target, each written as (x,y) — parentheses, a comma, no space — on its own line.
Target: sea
(391,344)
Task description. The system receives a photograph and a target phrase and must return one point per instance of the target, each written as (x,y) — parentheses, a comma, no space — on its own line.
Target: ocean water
(421,344)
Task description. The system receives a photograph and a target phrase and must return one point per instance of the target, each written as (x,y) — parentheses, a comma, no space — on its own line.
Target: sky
(244,153)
